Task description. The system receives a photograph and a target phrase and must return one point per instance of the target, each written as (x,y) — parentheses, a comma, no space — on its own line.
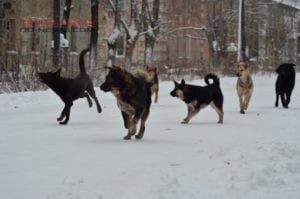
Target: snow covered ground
(256,155)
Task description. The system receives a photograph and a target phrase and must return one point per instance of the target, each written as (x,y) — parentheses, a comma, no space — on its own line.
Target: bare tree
(151,28)
(94,32)
(132,30)
(115,34)
(66,17)
(56,33)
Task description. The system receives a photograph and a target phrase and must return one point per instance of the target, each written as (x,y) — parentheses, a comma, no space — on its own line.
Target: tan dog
(244,85)
(153,75)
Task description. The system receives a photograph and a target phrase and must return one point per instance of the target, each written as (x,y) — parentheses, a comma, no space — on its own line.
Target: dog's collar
(248,83)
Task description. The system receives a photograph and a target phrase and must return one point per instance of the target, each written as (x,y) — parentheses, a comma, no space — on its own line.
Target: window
(120,47)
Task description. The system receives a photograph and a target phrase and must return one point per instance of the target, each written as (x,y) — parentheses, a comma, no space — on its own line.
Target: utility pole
(241,33)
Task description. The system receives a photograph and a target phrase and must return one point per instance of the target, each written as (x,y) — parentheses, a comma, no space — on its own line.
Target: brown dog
(244,85)
(151,75)
(133,94)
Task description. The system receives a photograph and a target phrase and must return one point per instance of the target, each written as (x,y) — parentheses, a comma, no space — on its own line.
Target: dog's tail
(213,77)
(141,74)
(81,60)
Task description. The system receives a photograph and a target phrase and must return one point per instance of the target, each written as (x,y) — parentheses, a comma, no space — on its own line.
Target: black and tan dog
(133,96)
(198,97)
(71,89)
(244,85)
(285,83)
(153,77)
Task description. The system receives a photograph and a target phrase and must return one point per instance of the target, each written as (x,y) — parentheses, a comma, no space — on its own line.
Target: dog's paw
(127,137)
(242,112)
(138,137)
(285,106)
(184,122)
(63,123)
(276,105)
(60,119)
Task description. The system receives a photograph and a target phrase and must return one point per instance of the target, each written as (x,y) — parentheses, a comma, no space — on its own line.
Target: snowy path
(256,155)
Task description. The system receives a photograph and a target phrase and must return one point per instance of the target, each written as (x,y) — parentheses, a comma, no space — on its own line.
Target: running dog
(285,83)
(198,97)
(69,89)
(153,76)
(244,86)
(133,94)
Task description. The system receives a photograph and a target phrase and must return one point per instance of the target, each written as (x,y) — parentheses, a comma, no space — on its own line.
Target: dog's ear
(182,82)
(57,73)
(175,83)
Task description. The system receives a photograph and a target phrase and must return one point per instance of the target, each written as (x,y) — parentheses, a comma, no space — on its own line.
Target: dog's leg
(156,96)
(192,111)
(277,98)
(67,113)
(283,101)
(241,104)
(142,126)
(131,127)
(246,101)
(125,119)
(288,98)
(63,114)
(219,111)
(86,95)
(92,93)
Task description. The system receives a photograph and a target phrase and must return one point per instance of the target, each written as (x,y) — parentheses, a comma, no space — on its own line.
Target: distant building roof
(292,3)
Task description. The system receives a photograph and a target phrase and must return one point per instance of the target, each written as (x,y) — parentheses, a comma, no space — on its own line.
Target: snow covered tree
(56,33)
(66,17)
(94,32)
(151,28)
(115,34)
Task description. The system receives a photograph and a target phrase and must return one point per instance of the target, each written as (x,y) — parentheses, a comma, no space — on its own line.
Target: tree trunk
(151,26)
(132,33)
(66,16)
(94,33)
(243,46)
(115,34)
(56,33)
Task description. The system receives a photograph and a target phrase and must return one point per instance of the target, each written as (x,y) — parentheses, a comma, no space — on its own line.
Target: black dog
(133,96)
(71,89)
(198,97)
(285,83)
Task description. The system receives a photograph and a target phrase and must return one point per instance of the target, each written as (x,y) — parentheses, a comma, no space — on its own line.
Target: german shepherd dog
(153,77)
(71,89)
(285,83)
(198,97)
(133,96)
(244,85)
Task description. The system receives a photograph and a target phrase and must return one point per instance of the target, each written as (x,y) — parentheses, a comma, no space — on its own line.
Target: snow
(292,3)
(256,155)
(113,36)
(132,31)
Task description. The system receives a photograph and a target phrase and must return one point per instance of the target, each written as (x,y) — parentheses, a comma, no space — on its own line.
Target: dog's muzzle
(173,94)
(105,88)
